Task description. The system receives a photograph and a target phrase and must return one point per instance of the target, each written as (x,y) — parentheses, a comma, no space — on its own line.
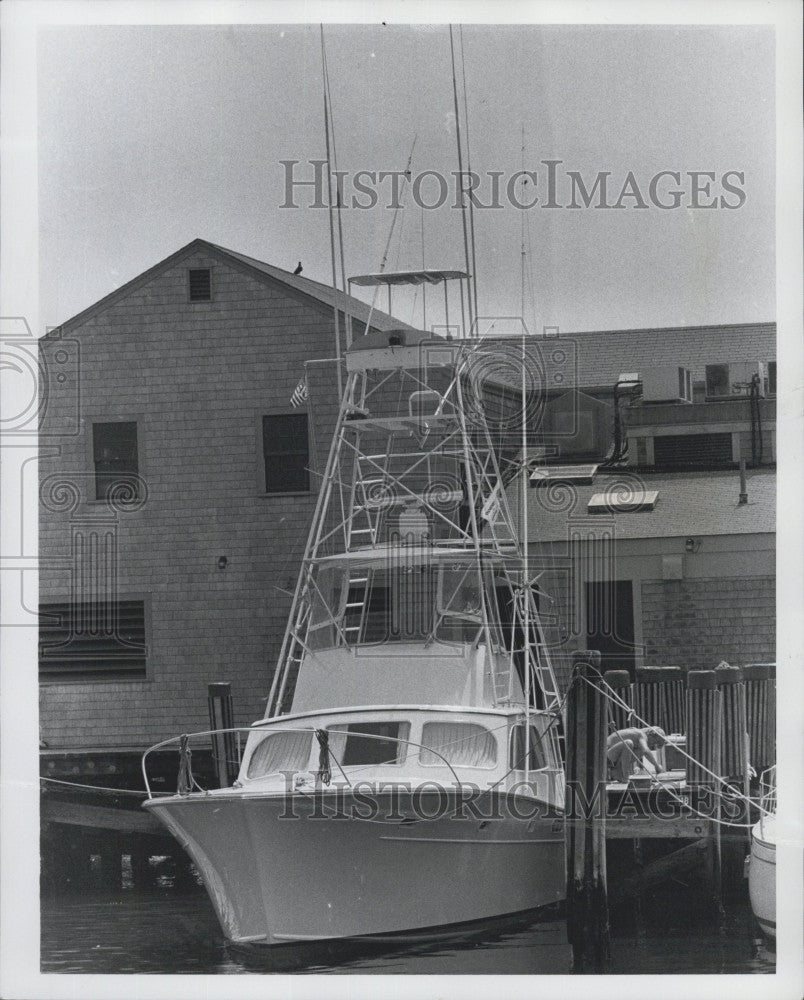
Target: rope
(94,788)
(324,772)
(185,781)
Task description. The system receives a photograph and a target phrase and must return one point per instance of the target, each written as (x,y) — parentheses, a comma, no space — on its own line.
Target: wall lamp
(692,545)
(223,562)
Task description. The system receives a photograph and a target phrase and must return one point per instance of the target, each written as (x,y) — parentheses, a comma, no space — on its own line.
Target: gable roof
(321,296)
(689,503)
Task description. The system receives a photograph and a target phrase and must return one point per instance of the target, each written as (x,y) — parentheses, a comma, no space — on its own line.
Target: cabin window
(114,452)
(462,744)
(200,284)
(286,453)
(92,640)
(369,742)
(536,756)
(281,752)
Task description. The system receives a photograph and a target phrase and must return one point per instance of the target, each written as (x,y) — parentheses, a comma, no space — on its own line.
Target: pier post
(221,716)
(620,681)
(658,697)
(585,812)
(760,701)
(703,745)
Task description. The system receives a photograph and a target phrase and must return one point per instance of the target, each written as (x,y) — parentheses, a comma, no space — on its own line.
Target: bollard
(224,746)
(585,810)
(760,700)
(620,681)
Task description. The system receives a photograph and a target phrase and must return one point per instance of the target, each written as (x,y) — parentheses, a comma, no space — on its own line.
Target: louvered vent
(696,450)
(92,641)
(200,284)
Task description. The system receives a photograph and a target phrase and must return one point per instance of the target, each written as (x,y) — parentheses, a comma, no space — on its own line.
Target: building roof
(688,503)
(603,355)
(315,292)
(324,294)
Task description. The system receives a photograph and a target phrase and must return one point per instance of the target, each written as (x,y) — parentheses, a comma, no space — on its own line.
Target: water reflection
(168,926)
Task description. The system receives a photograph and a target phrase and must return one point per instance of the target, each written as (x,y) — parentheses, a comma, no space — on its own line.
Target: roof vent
(200,284)
(623,499)
(546,474)
(666,384)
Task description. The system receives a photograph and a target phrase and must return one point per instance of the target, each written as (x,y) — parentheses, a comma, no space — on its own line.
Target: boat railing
(185,750)
(767,795)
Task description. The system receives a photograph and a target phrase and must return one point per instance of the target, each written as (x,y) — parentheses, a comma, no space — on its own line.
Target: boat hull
(762,878)
(281,869)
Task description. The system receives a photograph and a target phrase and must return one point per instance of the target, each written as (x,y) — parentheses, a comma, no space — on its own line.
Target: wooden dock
(728,722)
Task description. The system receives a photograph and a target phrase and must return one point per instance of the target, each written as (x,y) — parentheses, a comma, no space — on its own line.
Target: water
(168,927)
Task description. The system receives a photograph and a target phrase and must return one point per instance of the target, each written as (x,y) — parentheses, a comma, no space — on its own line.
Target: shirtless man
(626,744)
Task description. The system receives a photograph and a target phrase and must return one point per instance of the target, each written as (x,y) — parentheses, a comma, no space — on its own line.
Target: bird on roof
(298,268)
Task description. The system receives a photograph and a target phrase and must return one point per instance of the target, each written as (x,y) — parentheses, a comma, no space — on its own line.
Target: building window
(699,451)
(100,640)
(771,379)
(200,284)
(114,452)
(718,382)
(284,447)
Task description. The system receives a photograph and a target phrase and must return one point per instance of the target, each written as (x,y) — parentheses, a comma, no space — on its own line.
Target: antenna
(331,220)
(460,181)
(390,236)
(347,311)
(473,274)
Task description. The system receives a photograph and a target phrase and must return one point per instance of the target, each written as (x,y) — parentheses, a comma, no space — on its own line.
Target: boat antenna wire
(525,566)
(461,187)
(338,201)
(384,260)
(473,274)
(331,218)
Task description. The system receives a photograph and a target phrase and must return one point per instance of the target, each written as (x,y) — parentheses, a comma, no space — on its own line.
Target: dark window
(372,742)
(114,449)
(692,450)
(536,750)
(101,640)
(718,382)
(610,623)
(771,389)
(284,445)
(200,284)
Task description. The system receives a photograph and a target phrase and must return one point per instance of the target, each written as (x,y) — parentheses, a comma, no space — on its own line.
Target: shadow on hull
(337,951)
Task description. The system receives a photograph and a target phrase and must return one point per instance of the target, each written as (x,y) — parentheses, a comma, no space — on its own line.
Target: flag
(300,394)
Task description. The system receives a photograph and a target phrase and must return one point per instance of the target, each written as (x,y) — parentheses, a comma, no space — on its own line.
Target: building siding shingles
(197,377)
(695,624)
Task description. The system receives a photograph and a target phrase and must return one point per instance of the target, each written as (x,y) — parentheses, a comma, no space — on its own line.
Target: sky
(150,136)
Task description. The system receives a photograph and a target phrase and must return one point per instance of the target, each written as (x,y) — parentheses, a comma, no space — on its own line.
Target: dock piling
(703,746)
(221,716)
(585,805)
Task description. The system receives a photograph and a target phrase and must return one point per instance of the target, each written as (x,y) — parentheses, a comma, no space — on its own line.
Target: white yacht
(407,775)
(762,866)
